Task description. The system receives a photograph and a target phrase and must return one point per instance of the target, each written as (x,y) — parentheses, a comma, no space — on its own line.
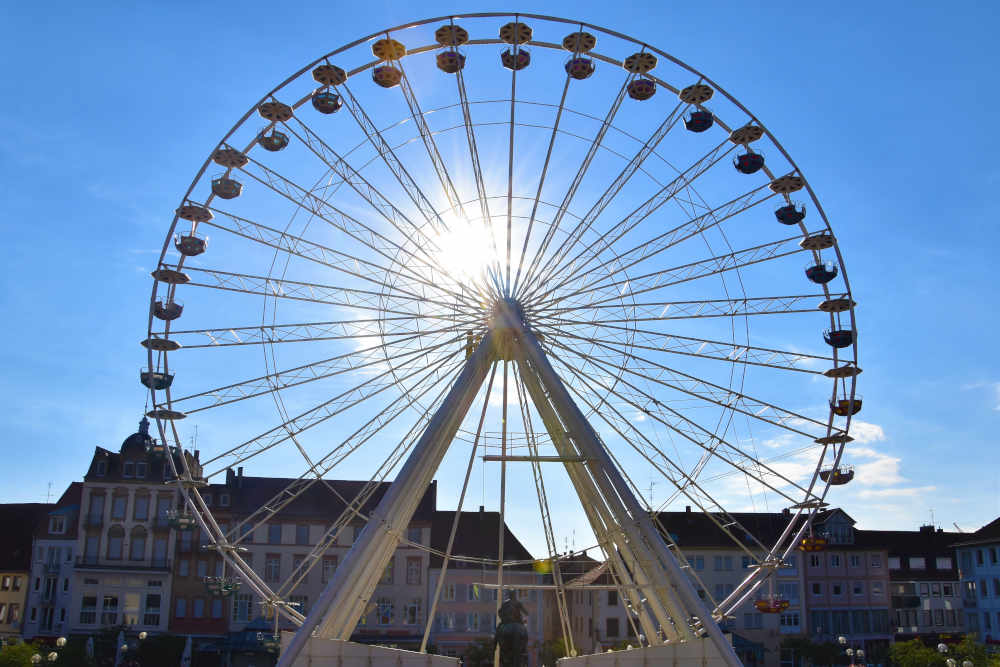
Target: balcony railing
(98,563)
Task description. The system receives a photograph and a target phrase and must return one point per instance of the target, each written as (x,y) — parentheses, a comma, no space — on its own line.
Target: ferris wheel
(526,256)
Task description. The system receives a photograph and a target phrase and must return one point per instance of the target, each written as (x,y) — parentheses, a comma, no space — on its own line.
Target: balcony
(97,563)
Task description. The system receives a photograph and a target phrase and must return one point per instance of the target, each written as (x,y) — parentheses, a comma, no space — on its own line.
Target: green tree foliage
(161,651)
(552,650)
(17,655)
(479,654)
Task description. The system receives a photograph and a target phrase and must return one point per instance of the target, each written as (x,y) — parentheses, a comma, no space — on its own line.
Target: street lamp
(950,662)
(942,648)
(967,663)
(842,640)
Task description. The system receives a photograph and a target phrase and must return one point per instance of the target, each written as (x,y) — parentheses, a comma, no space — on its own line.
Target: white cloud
(994,387)
(904,492)
(864,432)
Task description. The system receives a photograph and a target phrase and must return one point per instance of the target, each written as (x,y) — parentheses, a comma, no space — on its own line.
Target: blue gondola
(789,215)
(749,162)
(699,121)
(326,102)
(839,338)
(821,272)
(275,141)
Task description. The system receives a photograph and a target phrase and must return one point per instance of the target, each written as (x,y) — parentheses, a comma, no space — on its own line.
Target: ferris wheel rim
(836,247)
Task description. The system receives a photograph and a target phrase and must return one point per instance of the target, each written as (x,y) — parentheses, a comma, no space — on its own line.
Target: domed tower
(139,443)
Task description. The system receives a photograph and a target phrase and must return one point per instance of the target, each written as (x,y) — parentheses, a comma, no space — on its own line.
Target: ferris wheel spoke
(332,295)
(477,171)
(683,482)
(391,160)
(319,207)
(595,145)
(617,231)
(321,413)
(724,397)
(350,264)
(355,360)
(732,353)
(543,274)
(303,332)
(647,249)
(682,426)
(675,275)
(343,450)
(683,310)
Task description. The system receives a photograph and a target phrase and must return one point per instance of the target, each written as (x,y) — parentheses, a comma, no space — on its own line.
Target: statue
(511,635)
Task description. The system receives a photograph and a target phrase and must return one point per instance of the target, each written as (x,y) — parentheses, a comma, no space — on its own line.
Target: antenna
(48,494)
(932,516)
(957,527)
(651,485)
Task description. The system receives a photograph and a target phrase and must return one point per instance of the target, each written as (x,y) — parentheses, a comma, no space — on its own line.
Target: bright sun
(466,250)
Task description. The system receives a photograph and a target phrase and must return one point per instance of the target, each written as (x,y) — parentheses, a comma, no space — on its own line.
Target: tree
(552,650)
(817,653)
(915,654)
(17,655)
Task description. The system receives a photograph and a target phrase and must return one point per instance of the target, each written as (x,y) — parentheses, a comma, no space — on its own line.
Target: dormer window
(207,497)
(57,525)
(224,500)
(128,470)
(101,468)
(140,470)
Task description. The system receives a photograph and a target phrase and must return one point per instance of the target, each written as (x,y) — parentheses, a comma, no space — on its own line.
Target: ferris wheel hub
(506,322)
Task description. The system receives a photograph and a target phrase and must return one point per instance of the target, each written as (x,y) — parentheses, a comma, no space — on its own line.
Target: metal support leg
(638,522)
(342,602)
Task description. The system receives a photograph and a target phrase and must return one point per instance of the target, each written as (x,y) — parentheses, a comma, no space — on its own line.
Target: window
(183,567)
(383,611)
(894,562)
(836,589)
(6,582)
(966,560)
(207,497)
(948,590)
(993,555)
(447,621)
(302,533)
(151,615)
(128,470)
(854,560)
(241,607)
(979,556)
(984,592)
(996,587)
(198,608)
(473,591)
(613,599)
(858,588)
(202,568)
(116,540)
(817,588)
(137,546)
(815,560)
(918,563)
(924,590)
(387,574)
(834,560)
(877,590)
(223,500)
(140,470)
(936,590)
(272,567)
(972,622)
(100,471)
(329,567)
(414,534)
(57,525)
(950,617)
(876,560)
(611,627)
(246,533)
(986,621)
(753,620)
(88,610)
(790,621)
(448,592)
(943,562)
(727,562)
(413,570)
(216,607)
(788,590)
(14,614)
(118,504)
(109,610)
(412,613)
(274,533)
(699,563)
(140,511)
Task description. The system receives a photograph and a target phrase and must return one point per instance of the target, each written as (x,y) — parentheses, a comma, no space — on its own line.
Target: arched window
(137,546)
(116,540)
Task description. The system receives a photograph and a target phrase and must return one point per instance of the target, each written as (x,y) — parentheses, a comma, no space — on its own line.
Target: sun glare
(466,251)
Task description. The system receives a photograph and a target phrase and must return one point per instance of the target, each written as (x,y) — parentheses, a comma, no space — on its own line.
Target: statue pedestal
(339,653)
(700,653)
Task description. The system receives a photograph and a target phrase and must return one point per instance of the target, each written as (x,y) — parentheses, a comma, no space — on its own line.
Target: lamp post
(52,656)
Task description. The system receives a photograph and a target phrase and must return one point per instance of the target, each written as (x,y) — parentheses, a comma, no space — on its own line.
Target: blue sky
(889,111)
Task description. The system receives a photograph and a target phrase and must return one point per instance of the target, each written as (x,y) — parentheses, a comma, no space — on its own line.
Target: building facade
(49,603)
(979,571)
(17,525)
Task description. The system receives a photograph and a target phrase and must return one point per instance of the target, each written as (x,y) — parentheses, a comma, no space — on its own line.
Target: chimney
(786,512)
(927,528)
(239,477)
(197,455)
(687,508)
